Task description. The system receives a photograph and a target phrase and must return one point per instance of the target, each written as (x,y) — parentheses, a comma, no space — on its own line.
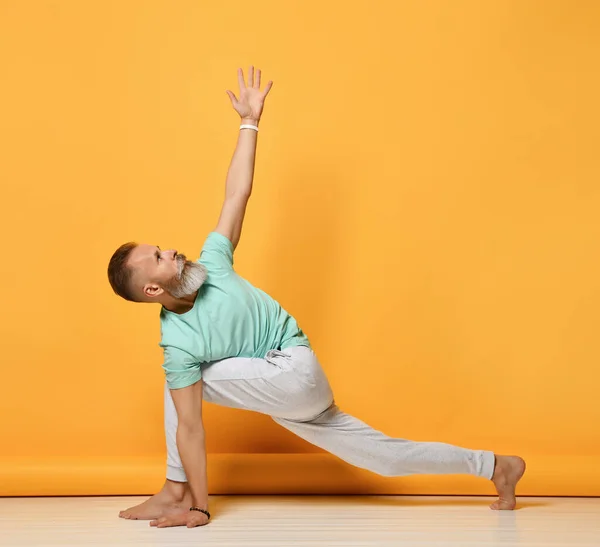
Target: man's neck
(181,305)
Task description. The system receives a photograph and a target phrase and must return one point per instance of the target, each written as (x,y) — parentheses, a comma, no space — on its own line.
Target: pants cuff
(488,464)
(176,474)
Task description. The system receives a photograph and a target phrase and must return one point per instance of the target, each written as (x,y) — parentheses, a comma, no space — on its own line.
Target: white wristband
(248,126)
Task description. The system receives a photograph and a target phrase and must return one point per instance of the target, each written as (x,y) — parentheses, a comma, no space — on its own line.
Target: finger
(267,89)
(196,521)
(232,97)
(257,82)
(241,79)
(175,520)
(251,76)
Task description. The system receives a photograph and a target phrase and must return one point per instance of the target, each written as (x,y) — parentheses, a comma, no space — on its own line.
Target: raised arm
(238,185)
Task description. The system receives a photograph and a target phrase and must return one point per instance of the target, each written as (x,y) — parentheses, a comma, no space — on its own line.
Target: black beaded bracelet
(201,510)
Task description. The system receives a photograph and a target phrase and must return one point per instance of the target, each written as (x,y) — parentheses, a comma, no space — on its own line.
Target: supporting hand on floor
(191,519)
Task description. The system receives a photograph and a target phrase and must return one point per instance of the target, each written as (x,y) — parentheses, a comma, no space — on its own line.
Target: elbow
(240,195)
(193,428)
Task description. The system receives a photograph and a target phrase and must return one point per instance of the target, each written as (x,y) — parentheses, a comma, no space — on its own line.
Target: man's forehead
(142,253)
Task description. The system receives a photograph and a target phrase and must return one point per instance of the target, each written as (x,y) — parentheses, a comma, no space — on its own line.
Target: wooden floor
(346,521)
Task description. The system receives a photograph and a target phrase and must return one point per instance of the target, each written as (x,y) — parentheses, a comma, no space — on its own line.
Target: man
(230,343)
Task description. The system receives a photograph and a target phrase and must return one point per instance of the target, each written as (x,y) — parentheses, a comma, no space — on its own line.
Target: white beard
(189,278)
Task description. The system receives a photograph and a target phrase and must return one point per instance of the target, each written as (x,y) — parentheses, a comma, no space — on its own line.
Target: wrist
(200,505)
(250,121)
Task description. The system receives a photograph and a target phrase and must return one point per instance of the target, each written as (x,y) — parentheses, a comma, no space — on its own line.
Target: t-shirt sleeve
(217,252)
(181,368)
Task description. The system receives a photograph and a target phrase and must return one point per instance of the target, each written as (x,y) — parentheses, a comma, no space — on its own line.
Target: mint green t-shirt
(230,318)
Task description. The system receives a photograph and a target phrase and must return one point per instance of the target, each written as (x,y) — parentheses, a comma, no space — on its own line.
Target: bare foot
(173,498)
(507,473)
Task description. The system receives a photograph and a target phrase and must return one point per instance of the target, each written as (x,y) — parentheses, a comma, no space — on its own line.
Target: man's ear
(151,290)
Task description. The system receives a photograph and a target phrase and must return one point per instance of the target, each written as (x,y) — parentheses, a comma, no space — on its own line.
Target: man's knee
(318,401)
(317,411)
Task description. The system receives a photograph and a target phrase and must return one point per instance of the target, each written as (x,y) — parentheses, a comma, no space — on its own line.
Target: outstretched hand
(250,104)
(190,519)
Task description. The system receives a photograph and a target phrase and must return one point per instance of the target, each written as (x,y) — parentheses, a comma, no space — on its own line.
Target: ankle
(175,490)
(499,468)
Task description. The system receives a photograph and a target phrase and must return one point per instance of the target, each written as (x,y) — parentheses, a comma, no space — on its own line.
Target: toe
(503,505)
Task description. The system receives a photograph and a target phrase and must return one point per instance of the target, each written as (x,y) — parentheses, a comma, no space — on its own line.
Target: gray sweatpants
(291,387)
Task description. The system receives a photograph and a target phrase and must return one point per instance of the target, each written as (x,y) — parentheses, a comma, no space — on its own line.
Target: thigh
(286,383)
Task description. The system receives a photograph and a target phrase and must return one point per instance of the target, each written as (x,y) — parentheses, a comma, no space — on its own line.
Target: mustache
(181,263)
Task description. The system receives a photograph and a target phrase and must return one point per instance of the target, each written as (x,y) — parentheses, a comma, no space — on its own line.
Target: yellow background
(425,204)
